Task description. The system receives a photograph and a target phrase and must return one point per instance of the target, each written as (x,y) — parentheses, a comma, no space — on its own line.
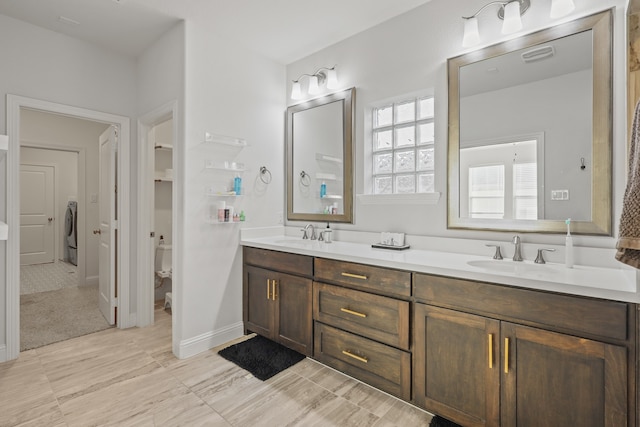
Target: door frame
(123,179)
(81,165)
(145,276)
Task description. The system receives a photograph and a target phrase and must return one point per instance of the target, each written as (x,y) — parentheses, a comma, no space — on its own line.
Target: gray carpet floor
(52,316)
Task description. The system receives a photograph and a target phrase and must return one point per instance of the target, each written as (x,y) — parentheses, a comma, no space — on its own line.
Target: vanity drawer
(279,261)
(383,280)
(564,313)
(379,365)
(380,318)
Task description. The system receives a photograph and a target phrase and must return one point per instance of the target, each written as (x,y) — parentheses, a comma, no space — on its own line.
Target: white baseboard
(3,353)
(91,281)
(209,340)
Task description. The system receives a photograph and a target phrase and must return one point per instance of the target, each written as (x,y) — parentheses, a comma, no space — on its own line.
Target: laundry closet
(160,137)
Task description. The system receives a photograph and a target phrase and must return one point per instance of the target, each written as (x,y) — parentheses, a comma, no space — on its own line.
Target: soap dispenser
(327,234)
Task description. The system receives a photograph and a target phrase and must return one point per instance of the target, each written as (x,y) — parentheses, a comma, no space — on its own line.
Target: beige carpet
(48,317)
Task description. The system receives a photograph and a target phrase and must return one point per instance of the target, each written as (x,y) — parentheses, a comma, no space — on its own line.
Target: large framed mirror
(530,132)
(319,155)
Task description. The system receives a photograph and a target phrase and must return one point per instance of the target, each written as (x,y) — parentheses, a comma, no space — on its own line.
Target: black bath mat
(262,357)
(438,421)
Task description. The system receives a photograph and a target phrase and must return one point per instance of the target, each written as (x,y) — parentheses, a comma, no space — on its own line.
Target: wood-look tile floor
(131,378)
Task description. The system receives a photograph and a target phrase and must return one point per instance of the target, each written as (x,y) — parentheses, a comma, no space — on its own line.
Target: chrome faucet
(313,232)
(517,256)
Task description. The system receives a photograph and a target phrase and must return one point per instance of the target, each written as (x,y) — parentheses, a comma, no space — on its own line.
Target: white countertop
(598,282)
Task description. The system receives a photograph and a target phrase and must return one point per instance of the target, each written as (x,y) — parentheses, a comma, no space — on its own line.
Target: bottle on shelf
(237,185)
(323,190)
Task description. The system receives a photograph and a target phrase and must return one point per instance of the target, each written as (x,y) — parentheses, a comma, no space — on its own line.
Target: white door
(37,214)
(108,225)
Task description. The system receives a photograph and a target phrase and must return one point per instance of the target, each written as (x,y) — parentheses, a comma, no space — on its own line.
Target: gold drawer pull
(268,289)
(355,276)
(490,351)
(274,291)
(355,313)
(506,355)
(355,356)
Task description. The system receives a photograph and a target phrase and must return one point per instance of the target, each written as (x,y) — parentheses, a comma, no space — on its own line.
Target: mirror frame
(347,97)
(602,130)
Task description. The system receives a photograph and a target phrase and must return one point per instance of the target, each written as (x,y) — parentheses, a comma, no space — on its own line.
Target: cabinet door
(293,317)
(552,379)
(456,369)
(258,304)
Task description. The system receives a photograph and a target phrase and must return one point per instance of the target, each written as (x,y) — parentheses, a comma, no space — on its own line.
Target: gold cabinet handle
(274,292)
(355,356)
(355,276)
(490,351)
(355,313)
(506,355)
(268,289)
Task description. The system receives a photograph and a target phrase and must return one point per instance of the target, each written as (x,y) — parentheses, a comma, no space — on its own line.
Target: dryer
(71,233)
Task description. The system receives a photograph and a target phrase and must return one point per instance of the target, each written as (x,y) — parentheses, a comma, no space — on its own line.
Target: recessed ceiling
(282,30)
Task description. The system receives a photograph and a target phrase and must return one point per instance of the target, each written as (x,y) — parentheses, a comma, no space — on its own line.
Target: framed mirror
(530,132)
(319,155)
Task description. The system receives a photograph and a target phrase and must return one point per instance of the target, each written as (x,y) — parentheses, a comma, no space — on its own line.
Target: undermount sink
(303,242)
(519,268)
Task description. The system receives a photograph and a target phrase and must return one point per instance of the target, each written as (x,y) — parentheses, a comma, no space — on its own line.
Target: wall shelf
(211,138)
(210,193)
(214,221)
(224,166)
(165,147)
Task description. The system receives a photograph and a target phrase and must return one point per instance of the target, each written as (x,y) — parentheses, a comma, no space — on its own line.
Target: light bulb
(332,79)
(313,85)
(560,8)
(471,34)
(512,20)
(296,93)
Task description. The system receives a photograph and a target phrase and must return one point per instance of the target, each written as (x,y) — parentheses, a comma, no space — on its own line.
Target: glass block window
(403,147)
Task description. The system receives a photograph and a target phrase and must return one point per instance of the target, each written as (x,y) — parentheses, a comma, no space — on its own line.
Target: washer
(71,232)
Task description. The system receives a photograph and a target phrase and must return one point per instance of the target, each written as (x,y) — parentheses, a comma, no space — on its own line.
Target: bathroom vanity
(479,348)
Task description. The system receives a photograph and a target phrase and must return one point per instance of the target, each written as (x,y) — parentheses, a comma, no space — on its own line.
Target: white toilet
(163,268)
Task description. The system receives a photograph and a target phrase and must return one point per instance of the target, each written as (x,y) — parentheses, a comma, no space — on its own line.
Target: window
(403,147)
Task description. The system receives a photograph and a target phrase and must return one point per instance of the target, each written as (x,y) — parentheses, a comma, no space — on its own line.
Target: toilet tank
(163,258)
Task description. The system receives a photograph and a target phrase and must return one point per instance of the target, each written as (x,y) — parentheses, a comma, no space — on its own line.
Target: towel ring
(305,179)
(265,175)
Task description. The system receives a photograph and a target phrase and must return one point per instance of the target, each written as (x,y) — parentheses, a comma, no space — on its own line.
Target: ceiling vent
(538,54)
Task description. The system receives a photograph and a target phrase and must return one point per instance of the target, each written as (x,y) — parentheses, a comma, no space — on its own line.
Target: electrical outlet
(559,194)
(279,217)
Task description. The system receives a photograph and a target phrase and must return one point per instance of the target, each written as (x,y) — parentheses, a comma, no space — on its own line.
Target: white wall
(66,164)
(408,55)
(42,64)
(229,91)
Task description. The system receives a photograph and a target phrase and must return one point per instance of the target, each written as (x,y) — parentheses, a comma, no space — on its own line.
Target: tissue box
(392,239)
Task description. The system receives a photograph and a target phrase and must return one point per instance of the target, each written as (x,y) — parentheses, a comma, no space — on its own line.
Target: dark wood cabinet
(479,354)
(555,379)
(456,365)
(479,371)
(278,306)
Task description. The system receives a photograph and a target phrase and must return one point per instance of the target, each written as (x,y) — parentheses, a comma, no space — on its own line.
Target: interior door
(108,225)
(37,207)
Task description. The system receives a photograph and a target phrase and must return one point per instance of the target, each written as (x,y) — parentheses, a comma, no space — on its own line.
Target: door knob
(49,219)
(97,232)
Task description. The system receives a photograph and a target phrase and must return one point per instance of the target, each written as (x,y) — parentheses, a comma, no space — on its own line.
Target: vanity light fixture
(322,76)
(560,8)
(510,12)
